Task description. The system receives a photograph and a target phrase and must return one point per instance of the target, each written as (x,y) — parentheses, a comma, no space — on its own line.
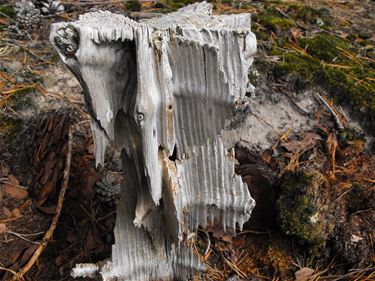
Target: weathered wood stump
(162,90)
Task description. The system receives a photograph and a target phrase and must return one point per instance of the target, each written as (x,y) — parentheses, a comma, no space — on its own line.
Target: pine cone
(50,148)
(50,7)
(27,15)
(108,190)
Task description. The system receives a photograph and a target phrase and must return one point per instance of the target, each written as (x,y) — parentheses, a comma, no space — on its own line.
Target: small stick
(10,219)
(15,185)
(49,233)
(7,269)
(333,113)
(22,237)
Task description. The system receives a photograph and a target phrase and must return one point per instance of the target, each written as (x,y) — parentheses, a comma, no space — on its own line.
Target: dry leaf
(267,156)
(331,145)
(4,21)
(91,148)
(28,253)
(296,33)
(16,213)
(14,191)
(45,192)
(303,274)
(308,140)
(3,228)
(51,210)
(72,237)
(342,34)
(13,180)
(7,213)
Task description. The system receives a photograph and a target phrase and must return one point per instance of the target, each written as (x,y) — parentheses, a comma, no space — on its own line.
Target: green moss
(174,5)
(281,17)
(328,64)
(325,47)
(9,126)
(22,100)
(308,14)
(351,134)
(132,6)
(299,208)
(272,19)
(8,10)
(295,64)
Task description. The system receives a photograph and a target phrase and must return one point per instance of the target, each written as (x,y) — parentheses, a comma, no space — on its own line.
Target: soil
(309,164)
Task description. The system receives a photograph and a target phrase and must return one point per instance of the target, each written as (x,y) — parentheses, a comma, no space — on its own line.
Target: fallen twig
(358,273)
(6,180)
(49,233)
(336,118)
(21,236)
(10,219)
(7,269)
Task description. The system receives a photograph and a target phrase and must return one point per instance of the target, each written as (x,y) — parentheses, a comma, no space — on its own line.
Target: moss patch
(273,20)
(132,6)
(323,59)
(9,126)
(308,14)
(301,210)
(8,10)
(330,62)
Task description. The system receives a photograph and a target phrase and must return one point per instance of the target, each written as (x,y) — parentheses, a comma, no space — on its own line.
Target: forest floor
(311,168)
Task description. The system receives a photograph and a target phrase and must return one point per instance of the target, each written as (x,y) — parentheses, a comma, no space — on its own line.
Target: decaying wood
(162,90)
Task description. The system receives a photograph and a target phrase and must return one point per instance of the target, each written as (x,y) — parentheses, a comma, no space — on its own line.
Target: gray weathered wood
(162,90)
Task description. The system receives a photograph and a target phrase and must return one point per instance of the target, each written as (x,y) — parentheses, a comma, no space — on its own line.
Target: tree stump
(162,90)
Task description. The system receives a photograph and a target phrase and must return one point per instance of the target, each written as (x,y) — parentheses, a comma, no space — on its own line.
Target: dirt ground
(311,170)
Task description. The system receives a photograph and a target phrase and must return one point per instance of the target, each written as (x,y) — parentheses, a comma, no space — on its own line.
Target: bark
(162,90)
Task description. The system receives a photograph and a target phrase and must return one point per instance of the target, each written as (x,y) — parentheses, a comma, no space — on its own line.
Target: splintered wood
(162,90)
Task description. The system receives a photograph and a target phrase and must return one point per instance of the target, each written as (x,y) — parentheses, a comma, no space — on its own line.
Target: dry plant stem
(10,219)
(9,270)
(48,235)
(332,111)
(22,237)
